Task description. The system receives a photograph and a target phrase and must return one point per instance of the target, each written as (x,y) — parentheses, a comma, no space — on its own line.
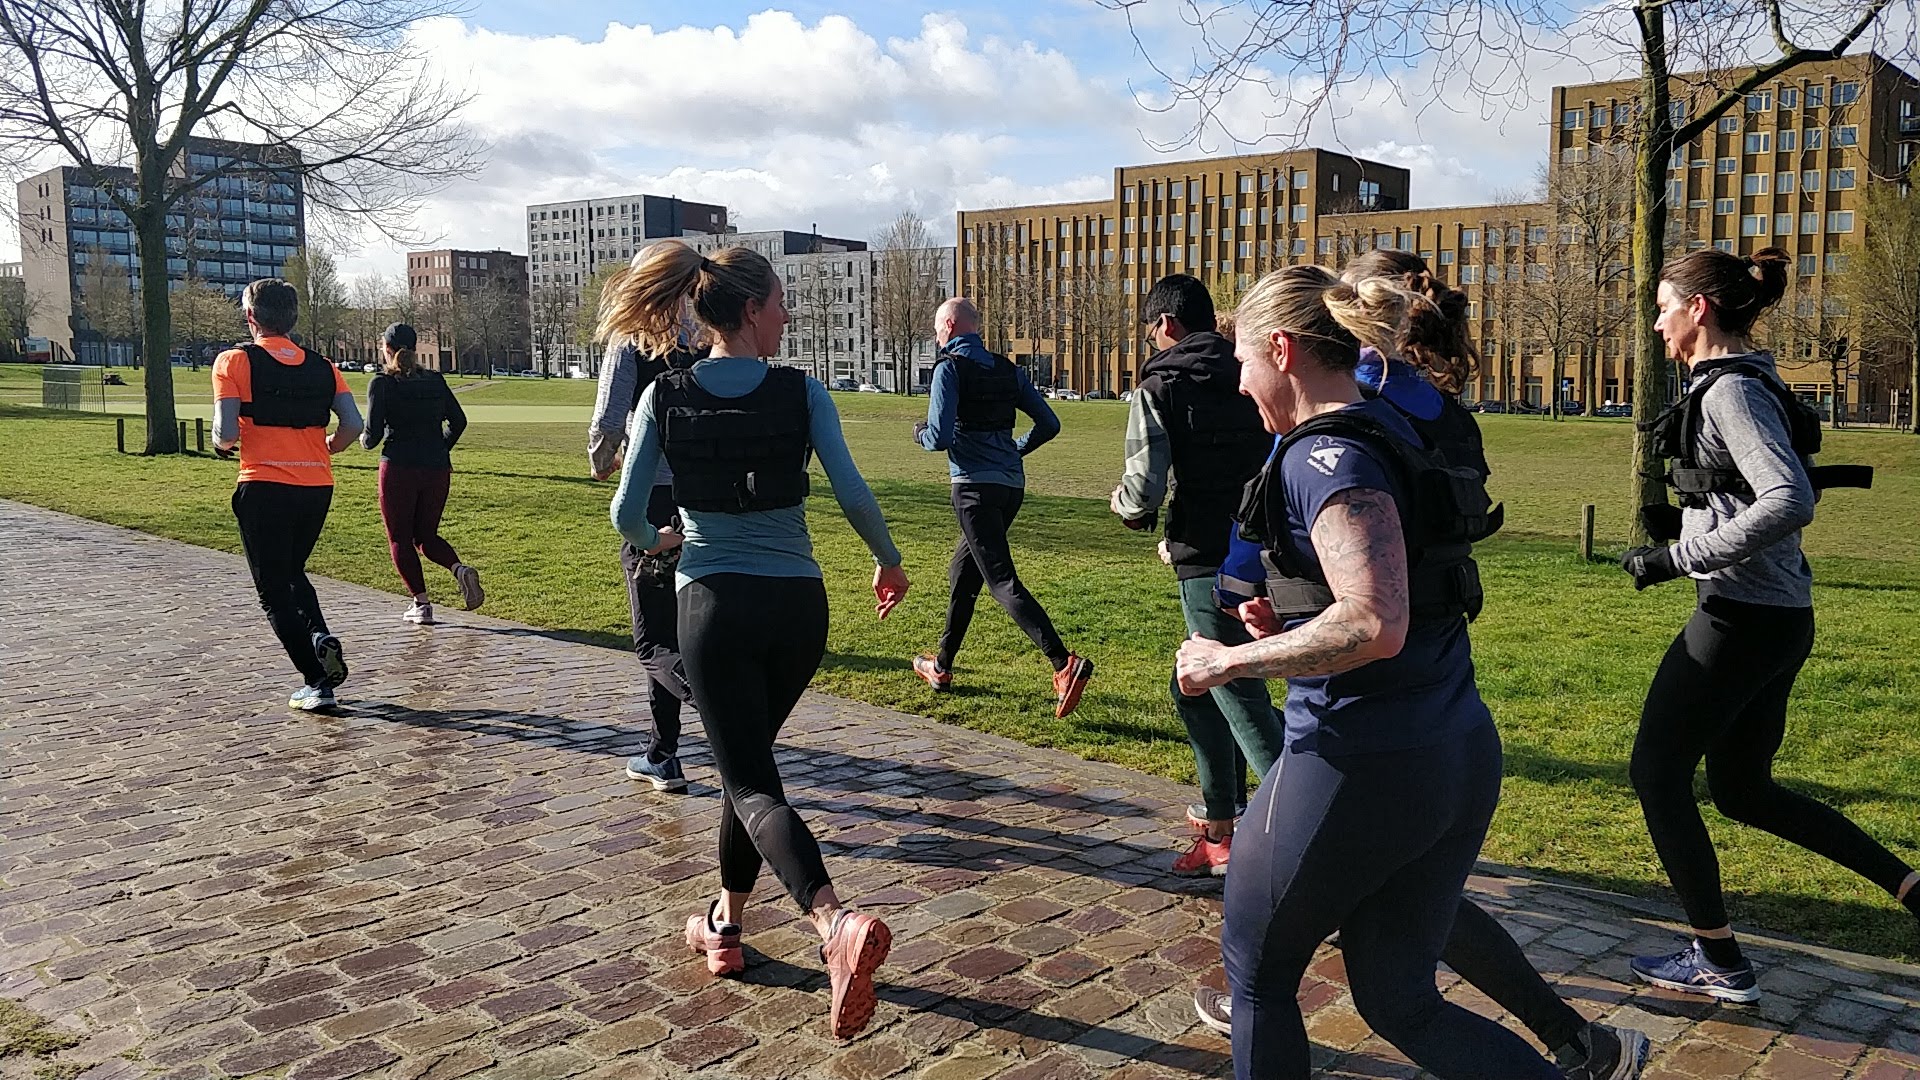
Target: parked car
(1490,407)
(529,373)
(1070,395)
(1571,407)
(1102,395)
(1523,408)
(1126,395)
(1615,411)
(920,388)
(843,384)
(498,370)
(869,388)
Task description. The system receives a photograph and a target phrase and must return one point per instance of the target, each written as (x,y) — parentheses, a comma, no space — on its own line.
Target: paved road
(451,877)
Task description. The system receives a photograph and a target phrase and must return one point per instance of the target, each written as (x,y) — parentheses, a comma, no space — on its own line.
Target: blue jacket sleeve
(943,407)
(850,489)
(643,459)
(1045,424)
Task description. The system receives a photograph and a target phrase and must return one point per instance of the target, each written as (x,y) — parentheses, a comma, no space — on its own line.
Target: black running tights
(1721,693)
(750,645)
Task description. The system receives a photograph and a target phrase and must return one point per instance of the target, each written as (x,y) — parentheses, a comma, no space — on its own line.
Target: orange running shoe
(1208,858)
(928,668)
(1070,682)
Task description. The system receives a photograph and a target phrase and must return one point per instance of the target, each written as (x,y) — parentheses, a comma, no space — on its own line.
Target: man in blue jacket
(970,415)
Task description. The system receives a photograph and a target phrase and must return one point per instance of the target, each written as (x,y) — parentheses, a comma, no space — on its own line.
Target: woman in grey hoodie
(1721,691)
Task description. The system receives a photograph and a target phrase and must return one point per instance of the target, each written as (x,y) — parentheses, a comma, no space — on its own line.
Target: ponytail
(644,301)
(1437,337)
(1737,288)
(401,363)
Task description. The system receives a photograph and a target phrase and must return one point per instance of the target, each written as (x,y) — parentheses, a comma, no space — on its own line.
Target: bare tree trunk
(1913,376)
(1649,233)
(150,231)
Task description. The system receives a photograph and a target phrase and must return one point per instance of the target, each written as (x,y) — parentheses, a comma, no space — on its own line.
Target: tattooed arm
(1363,554)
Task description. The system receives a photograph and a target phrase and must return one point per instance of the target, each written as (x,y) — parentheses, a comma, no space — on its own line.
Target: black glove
(1650,564)
(1662,522)
(919,429)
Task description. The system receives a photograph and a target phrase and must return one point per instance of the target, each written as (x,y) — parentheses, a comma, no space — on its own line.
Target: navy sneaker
(1690,972)
(663,775)
(333,659)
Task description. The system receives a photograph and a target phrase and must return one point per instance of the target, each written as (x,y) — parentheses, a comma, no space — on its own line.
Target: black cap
(400,336)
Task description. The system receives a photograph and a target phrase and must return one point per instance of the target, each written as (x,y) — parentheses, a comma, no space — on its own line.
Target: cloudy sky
(842,114)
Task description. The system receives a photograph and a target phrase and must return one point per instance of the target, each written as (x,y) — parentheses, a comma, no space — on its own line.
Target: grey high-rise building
(568,242)
(241,224)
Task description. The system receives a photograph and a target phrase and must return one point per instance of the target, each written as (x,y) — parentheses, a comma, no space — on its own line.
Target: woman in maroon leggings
(416,413)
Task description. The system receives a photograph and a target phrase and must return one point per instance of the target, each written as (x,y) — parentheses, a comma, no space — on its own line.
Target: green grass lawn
(1564,649)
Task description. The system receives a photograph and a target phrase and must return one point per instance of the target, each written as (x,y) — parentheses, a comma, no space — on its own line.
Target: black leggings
(656,638)
(751,644)
(279,524)
(1721,693)
(983,556)
(1378,847)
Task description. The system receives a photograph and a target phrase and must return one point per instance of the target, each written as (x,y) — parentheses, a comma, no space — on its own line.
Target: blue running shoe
(663,775)
(1690,972)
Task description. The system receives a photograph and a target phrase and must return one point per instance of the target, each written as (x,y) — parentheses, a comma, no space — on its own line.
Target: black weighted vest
(735,455)
(288,395)
(1444,511)
(988,396)
(1676,438)
(1217,443)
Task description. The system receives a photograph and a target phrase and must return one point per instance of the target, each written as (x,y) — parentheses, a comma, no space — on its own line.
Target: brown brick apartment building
(1060,284)
(470,309)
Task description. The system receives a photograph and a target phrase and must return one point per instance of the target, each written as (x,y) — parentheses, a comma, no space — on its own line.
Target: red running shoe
(1069,683)
(1207,858)
(857,945)
(929,669)
(720,943)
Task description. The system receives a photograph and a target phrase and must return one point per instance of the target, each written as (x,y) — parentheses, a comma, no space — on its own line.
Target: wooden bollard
(182,444)
(1586,532)
(120,432)
(199,435)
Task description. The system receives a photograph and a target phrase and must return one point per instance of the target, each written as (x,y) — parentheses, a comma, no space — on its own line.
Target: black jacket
(1216,443)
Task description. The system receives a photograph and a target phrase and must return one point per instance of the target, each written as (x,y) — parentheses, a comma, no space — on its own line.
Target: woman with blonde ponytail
(413,409)
(738,433)
(1372,817)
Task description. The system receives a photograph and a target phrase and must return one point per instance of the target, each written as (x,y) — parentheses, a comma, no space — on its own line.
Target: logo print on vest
(1325,455)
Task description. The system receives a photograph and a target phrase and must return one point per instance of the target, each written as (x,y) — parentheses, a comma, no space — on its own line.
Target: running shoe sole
(1076,686)
(1201,998)
(659,783)
(1210,870)
(333,659)
(722,960)
(418,620)
(1719,993)
(854,1001)
(471,593)
(1634,1050)
(311,704)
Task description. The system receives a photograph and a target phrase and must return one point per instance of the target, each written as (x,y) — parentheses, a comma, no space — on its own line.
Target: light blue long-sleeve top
(982,457)
(769,543)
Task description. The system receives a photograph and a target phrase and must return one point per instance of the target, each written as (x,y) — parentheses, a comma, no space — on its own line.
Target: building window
(1446,258)
(1177,189)
(1176,220)
(1299,179)
(1836,264)
(1810,181)
(1127,195)
(1599,116)
(1758,142)
(1299,213)
(1840,180)
(1723,245)
(1839,221)
(1726,166)
(1299,246)
(1753,184)
(1847,135)
(1573,118)
(1246,217)
(1246,249)
(1723,206)
(1783,224)
(1572,155)
(1760,101)
(1535,235)
(1789,140)
(1783,183)
(1727,125)
(1106,226)
(1623,114)
(1324,245)
(1753,225)
(1808,264)
(1469,237)
(1814,138)
(1810,222)
(1469,275)
(1846,93)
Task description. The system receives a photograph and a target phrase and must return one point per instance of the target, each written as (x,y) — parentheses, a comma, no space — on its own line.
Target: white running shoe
(470,590)
(421,614)
(311,699)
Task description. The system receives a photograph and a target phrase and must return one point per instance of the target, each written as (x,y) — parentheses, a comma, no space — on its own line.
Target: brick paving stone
(448,877)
